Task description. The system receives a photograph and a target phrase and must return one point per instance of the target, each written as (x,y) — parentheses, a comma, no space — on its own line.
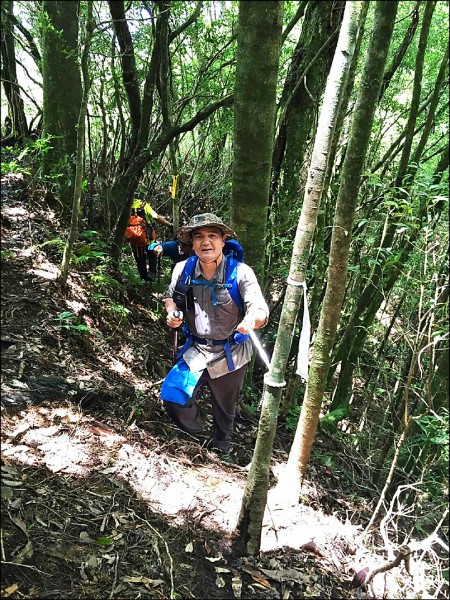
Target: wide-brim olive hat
(204,220)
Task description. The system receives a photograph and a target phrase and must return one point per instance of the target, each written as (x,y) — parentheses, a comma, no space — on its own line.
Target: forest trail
(99,501)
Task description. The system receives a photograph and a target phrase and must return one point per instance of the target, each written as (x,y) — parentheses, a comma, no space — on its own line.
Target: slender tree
(402,49)
(79,165)
(373,293)
(298,108)
(255,495)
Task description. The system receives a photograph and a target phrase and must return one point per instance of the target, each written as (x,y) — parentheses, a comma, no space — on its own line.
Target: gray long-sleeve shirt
(218,322)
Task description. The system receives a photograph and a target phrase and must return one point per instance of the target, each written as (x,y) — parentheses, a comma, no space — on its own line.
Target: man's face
(208,243)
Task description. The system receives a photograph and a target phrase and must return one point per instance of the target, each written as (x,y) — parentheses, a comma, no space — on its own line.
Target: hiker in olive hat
(219,300)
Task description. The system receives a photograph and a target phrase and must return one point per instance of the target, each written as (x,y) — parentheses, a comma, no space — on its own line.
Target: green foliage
(13,166)
(39,147)
(108,306)
(104,541)
(434,429)
(326,458)
(85,252)
(21,158)
(129,272)
(67,320)
(58,242)
(252,397)
(330,420)
(292,418)
(104,281)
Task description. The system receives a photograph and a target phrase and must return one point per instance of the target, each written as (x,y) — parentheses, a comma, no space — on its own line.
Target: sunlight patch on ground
(295,526)
(48,271)
(75,307)
(117,366)
(187,492)
(14,213)
(209,494)
(181,491)
(292,524)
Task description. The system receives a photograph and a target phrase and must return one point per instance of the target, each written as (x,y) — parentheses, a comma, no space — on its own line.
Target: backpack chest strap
(212,285)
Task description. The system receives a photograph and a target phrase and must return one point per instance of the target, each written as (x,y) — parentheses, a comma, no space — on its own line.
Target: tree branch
(195,15)
(128,62)
(295,19)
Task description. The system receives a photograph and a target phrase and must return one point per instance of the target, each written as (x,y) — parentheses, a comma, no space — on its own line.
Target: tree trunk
(384,19)
(128,62)
(258,52)
(9,74)
(166,109)
(61,94)
(73,232)
(255,494)
(324,219)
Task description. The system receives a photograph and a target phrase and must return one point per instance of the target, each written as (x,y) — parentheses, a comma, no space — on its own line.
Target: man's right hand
(158,250)
(174,318)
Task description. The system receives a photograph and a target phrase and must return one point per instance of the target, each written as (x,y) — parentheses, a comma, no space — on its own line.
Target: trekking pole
(158,269)
(177,315)
(258,346)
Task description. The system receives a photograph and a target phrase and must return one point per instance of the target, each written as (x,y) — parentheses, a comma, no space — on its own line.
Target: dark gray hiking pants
(225,392)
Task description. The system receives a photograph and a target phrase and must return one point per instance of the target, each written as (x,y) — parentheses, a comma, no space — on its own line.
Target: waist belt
(208,341)
(235,338)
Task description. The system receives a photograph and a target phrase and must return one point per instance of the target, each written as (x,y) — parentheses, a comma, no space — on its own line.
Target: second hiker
(139,232)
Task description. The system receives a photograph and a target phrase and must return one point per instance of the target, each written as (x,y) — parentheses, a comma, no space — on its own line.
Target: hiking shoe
(224,456)
(174,433)
(218,446)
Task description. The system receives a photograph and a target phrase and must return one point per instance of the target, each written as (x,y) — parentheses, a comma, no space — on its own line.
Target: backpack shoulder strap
(231,281)
(189,268)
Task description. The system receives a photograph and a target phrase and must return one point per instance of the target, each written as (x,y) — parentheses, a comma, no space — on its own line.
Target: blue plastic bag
(179,384)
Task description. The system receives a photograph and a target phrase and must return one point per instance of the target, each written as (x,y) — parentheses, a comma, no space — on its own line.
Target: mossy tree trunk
(384,18)
(9,74)
(258,53)
(255,494)
(299,104)
(61,94)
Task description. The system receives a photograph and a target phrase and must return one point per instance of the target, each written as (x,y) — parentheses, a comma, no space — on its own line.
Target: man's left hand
(253,320)
(247,323)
